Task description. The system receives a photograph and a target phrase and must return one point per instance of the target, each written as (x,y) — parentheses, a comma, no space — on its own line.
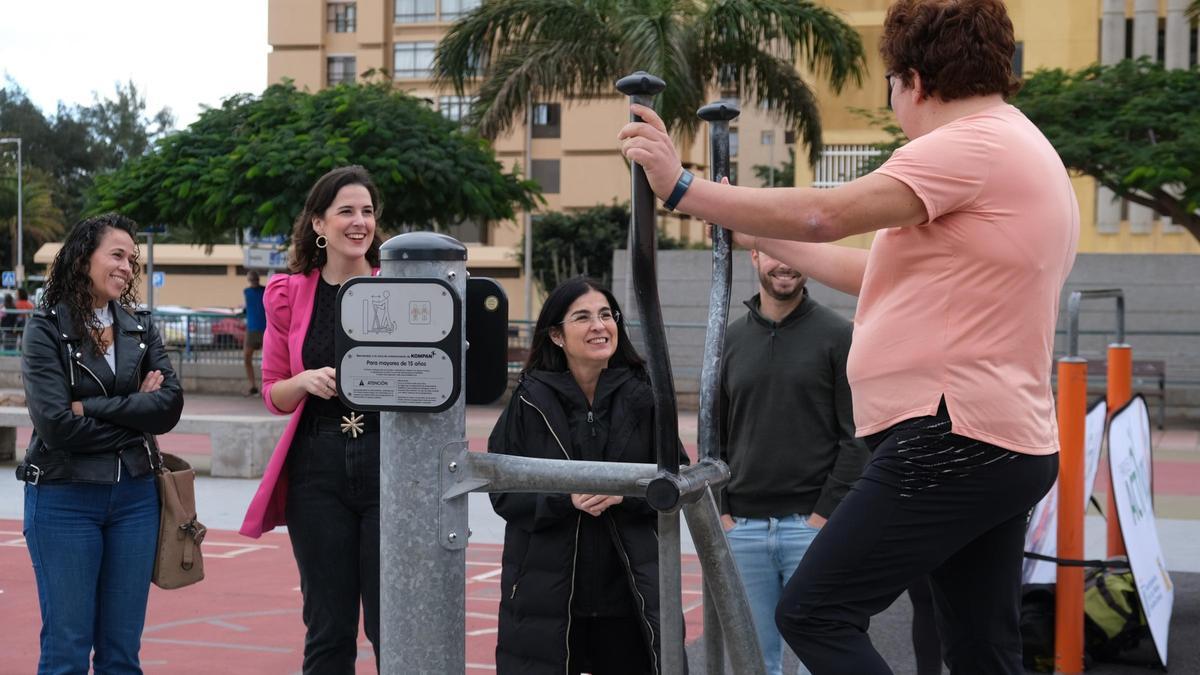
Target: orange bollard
(1120,389)
(1068,596)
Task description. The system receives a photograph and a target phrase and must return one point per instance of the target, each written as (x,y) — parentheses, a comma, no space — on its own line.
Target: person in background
(256,323)
(97,381)
(23,302)
(787,434)
(323,478)
(579,572)
(976,225)
(9,321)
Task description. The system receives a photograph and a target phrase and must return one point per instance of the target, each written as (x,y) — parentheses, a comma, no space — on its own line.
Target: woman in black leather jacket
(97,381)
(579,576)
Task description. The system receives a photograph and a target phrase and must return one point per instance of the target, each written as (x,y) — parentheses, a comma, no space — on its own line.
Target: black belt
(29,473)
(353,424)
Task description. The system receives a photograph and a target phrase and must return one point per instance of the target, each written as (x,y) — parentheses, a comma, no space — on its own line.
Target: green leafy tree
(785,173)
(566,245)
(41,218)
(75,143)
(250,163)
(1193,12)
(1133,126)
(533,50)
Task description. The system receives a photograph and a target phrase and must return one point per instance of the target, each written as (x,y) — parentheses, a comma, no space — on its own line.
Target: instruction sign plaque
(399,344)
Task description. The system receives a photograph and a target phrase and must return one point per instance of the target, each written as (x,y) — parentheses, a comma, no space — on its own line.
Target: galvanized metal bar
(674,659)
(718,115)
(485,472)
(1073,302)
(729,596)
(423,602)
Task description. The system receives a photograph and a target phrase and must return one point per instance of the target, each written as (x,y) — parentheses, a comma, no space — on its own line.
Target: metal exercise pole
(641,87)
(1119,389)
(718,115)
(1072,415)
(423,538)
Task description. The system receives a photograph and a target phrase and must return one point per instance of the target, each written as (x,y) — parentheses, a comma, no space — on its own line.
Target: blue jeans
(92,548)
(767,551)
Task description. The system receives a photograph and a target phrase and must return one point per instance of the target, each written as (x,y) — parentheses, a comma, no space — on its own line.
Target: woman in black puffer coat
(580,572)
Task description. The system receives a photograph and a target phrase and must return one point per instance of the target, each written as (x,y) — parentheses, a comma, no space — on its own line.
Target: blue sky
(179,54)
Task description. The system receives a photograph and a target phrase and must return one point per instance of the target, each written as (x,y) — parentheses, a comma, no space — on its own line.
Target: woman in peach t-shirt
(976,226)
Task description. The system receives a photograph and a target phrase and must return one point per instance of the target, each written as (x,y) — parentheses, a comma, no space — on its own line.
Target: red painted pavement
(244,618)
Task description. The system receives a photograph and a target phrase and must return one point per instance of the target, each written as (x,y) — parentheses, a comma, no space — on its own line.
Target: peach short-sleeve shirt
(964,306)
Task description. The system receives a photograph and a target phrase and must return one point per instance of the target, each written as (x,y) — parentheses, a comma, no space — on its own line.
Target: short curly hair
(961,48)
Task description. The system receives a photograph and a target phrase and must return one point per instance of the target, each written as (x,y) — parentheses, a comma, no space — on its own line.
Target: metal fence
(195,337)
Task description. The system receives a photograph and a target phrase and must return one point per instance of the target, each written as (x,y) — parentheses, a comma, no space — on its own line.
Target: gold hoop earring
(322,242)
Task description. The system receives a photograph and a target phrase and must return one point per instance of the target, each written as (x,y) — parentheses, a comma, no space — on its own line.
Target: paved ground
(245,617)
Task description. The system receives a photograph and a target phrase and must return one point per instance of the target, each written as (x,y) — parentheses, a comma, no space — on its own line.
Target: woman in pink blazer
(323,479)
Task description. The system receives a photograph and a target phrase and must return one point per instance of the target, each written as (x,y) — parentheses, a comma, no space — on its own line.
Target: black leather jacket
(110,439)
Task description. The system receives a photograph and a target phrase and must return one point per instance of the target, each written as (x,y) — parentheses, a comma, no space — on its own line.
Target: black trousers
(333,521)
(608,646)
(929,502)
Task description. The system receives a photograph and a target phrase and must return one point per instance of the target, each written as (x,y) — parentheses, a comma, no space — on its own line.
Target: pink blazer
(289,303)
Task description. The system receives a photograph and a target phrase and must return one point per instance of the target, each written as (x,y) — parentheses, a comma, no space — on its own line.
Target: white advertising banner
(1042,534)
(1129,456)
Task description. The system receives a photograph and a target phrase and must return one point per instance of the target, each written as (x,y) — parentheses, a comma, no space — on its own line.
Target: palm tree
(1193,11)
(530,50)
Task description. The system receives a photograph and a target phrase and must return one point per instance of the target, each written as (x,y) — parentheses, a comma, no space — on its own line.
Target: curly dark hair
(545,355)
(961,48)
(69,283)
(306,256)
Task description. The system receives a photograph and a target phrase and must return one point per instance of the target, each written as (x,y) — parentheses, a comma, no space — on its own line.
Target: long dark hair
(545,355)
(69,282)
(306,256)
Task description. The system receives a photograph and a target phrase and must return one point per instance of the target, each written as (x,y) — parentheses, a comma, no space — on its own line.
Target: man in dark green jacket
(787,434)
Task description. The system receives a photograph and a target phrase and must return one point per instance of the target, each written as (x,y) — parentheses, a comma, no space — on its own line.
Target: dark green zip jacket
(787,426)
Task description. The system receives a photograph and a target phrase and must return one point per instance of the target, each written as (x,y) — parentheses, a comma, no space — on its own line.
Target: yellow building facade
(1069,34)
(571,148)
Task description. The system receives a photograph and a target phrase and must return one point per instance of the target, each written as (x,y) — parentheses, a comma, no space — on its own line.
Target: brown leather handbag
(177,562)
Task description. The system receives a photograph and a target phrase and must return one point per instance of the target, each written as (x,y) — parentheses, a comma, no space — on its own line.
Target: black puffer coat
(109,440)
(541,541)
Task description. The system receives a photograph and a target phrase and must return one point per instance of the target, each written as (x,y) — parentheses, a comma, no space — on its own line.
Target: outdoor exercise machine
(415,377)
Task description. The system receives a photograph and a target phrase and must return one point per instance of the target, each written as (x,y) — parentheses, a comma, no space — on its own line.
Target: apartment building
(571,146)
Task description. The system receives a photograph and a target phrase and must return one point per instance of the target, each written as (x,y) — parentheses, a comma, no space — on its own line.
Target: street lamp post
(20,214)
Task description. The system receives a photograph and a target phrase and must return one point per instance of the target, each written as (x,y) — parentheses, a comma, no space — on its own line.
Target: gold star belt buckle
(352,425)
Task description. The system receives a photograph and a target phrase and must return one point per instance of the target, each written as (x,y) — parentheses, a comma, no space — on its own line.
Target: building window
(340,17)
(415,11)
(1018,61)
(546,173)
(453,10)
(455,108)
(547,120)
(413,60)
(733,143)
(339,69)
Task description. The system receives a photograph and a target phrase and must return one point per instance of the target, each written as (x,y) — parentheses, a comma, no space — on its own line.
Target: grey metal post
(1073,303)
(422,548)
(718,115)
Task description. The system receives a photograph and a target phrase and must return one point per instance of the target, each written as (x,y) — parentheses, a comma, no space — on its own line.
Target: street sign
(264,258)
(159,279)
(399,344)
(9,279)
(153,228)
(276,240)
